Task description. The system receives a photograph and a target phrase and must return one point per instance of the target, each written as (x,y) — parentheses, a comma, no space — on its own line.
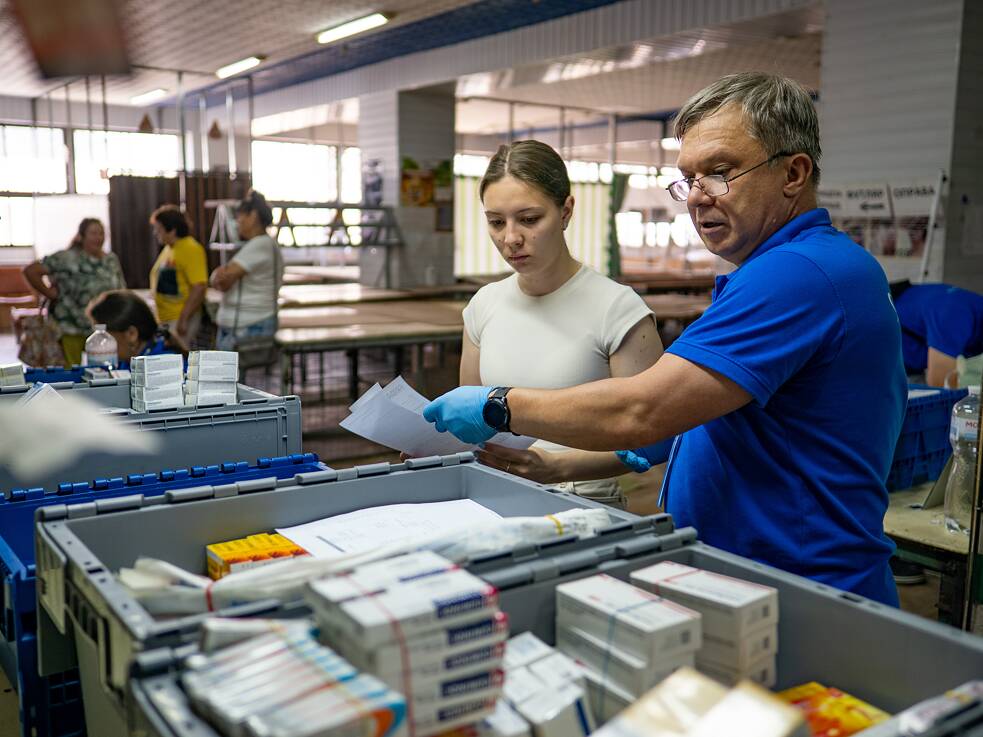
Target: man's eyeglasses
(713,185)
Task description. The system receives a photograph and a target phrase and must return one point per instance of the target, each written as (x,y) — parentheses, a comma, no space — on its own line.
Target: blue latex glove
(634,461)
(459,412)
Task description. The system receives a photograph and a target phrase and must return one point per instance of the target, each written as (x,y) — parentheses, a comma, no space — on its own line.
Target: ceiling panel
(203,35)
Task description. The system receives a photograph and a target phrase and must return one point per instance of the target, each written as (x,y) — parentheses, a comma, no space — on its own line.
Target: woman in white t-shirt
(555,322)
(251,280)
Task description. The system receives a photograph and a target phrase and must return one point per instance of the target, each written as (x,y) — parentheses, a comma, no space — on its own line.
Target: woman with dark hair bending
(251,280)
(131,321)
(70,278)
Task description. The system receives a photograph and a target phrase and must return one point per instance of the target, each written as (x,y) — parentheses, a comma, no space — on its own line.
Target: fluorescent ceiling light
(352,27)
(239,66)
(670,144)
(148,97)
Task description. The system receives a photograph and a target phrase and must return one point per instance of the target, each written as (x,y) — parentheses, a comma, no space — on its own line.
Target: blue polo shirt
(795,478)
(939,316)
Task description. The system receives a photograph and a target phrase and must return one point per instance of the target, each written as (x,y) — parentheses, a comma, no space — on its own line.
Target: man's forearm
(670,398)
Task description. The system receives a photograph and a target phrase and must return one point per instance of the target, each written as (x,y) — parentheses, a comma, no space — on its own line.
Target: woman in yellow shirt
(179,278)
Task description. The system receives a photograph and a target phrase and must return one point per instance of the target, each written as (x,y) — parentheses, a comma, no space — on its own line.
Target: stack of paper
(740,619)
(156,382)
(212,378)
(626,639)
(12,374)
(425,628)
(393,416)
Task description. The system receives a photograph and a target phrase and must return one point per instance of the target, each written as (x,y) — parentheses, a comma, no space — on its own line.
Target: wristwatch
(496,413)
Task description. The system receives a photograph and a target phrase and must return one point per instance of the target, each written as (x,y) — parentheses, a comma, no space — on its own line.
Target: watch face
(494,414)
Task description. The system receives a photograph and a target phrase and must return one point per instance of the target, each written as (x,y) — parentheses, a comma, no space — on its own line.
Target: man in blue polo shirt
(788,394)
(939,323)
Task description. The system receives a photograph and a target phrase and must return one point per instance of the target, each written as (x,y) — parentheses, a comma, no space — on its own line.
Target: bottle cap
(101,327)
(974,390)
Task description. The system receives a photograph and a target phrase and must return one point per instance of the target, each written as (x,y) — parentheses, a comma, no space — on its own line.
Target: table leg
(398,359)
(353,373)
(286,359)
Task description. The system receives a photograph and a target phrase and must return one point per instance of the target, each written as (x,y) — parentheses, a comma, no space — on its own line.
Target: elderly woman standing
(74,277)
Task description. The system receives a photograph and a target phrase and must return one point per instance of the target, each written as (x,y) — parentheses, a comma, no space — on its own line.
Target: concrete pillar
(900,99)
(396,127)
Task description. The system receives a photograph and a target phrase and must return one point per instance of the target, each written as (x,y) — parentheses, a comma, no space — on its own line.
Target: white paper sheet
(393,416)
(371,528)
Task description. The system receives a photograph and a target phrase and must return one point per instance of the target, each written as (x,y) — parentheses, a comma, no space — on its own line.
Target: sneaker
(905,573)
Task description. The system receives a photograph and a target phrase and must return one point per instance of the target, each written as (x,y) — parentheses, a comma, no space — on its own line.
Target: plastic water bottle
(100,348)
(962,434)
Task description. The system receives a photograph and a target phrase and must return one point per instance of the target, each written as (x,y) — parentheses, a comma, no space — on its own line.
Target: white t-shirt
(253,294)
(560,339)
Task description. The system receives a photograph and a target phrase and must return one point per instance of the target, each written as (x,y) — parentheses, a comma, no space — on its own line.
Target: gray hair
(777,112)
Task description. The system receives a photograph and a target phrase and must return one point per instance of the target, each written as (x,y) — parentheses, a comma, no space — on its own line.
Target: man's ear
(798,174)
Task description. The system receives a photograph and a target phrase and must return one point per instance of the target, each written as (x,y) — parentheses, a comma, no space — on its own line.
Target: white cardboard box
(159,362)
(194,386)
(374,578)
(216,372)
(763,672)
(562,711)
(504,722)
(628,617)
(408,609)
(156,393)
(631,673)
(606,698)
(213,358)
(739,654)
(524,649)
(426,652)
(157,377)
(730,606)
(139,406)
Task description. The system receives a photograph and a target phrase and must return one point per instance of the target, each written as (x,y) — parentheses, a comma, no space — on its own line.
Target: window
(33,159)
(297,172)
(101,154)
(16,221)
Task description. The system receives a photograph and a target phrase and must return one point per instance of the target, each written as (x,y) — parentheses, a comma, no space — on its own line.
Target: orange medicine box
(248,552)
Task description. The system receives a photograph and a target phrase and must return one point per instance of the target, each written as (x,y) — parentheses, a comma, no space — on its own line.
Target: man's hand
(459,411)
(634,461)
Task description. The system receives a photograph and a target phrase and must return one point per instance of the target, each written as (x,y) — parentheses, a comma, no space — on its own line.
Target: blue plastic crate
(923,446)
(51,706)
(54,374)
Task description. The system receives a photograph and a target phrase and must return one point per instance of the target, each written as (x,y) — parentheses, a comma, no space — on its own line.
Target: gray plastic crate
(79,548)
(889,658)
(259,425)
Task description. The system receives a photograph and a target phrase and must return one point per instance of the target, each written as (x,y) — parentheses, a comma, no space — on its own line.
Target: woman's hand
(534,464)
(52,292)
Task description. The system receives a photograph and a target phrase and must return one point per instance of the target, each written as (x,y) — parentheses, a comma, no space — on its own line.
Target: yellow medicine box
(248,552)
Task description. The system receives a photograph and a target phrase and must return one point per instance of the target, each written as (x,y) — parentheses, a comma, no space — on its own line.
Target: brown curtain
(133,199)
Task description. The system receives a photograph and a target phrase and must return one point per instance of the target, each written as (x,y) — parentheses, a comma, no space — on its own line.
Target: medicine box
(375,578)
(425,651)
(213,358)
(160,362)
(525,649)
(193,386)
(248,552)
(561,711)
(762,671)
(606,698)
(404,610)
(627,617)
(628,671)
(729,606)
(140,406)
(216,372)
(740,653)
(156,393)
(155,377)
